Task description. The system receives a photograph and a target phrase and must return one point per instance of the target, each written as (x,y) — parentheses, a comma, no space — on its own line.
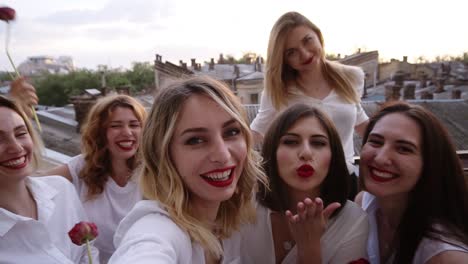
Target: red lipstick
(305,171)
(220,182)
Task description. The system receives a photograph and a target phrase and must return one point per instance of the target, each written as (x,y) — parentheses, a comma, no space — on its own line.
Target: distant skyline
(119,32)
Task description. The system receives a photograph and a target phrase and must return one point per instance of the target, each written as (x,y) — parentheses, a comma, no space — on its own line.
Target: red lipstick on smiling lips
(380,175)
(219,177)
(16,163)
(308,61)
(305,171)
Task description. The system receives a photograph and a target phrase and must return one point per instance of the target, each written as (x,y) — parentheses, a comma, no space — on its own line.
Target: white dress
(148,235)
(107,209)
(46,240)
(345,115)
(343,241)
(427,249)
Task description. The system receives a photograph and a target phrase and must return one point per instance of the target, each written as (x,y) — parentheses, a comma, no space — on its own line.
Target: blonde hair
(160,180)
(278,73)
(95,172)
(38,145)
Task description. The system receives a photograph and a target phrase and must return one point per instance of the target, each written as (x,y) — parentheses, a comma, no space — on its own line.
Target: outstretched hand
(309,223)
(25,94)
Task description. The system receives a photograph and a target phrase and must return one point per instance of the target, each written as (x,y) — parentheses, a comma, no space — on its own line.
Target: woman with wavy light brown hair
(102,174)
(198,175)
(297,71)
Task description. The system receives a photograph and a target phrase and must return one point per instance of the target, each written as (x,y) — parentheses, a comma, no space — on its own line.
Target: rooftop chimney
(221,59)
(456,94)
(405,58)
(392,92)
(408,91)
(427,95)
(236,71)
(211,66)
(158,57)
(194,63)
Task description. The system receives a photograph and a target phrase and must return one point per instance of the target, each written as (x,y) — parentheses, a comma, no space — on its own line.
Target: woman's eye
(374,142)
(232,132)
(404,150)
(21,134)
(318,143)
(289,53)
(290,142)
(193,141)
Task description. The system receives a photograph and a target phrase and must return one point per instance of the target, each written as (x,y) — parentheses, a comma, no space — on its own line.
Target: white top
(107,209)
(46,240)
(427,249)
(343,241)
(148,235)
(344,115)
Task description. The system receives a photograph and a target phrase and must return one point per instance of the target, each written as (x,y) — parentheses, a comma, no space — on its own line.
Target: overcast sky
(118,32)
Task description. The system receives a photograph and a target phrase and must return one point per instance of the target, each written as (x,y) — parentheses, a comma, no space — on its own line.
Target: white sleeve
(266,114)
(153,239)
(354,246)
(144,249)
(361,115)
(75,165)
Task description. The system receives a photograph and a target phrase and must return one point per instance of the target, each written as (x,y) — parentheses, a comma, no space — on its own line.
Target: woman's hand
(308,226)
(25,94)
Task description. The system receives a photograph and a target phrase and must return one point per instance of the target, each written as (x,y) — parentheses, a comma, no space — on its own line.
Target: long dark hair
(440,196)
(334,188)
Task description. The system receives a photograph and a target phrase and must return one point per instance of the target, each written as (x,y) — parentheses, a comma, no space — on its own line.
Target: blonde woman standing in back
(298,72)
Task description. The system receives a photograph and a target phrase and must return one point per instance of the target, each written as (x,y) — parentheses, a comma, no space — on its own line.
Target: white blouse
(107,209)
(343,241)
(148,235)
(427,248)
(46,240)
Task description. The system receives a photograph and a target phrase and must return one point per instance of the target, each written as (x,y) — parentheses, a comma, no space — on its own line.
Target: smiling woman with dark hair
(415,191)
(304,217)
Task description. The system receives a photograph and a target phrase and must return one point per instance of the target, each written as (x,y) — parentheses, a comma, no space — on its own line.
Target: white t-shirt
(345,115)
(343,241)
(148,235)
(107,209)
(46,240)
(427,248)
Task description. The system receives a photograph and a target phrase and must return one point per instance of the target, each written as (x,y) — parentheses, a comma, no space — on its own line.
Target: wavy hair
(95,172)
(440,196)
(278,74)
(160,180)
(36,140)
(336,185)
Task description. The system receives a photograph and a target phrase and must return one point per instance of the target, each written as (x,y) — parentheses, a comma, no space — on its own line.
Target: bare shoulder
(449,257)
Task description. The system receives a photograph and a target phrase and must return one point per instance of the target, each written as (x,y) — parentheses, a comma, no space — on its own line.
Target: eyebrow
(202,129)
(313,136)
(399,141)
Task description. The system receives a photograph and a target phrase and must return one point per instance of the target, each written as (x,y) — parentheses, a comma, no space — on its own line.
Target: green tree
(141,76)
(55,89)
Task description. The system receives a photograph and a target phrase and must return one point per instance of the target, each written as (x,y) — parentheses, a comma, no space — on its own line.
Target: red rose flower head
(82,232)
(7,14)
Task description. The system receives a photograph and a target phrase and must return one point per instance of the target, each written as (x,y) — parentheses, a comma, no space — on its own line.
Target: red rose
(7,14)
(83,232)
(359,261)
